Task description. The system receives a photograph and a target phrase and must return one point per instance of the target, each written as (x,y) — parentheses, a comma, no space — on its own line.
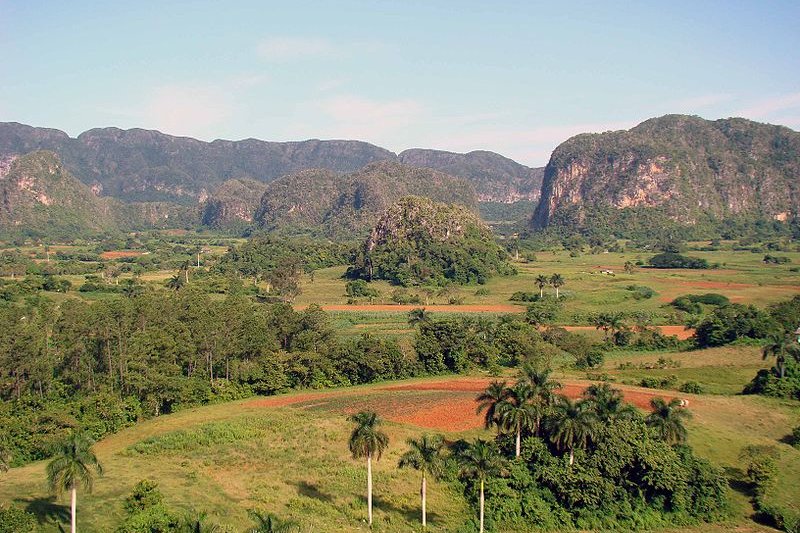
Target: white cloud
(362,118)
(187,110)
(701,101)
(772,109)
(293,48)
(530,146)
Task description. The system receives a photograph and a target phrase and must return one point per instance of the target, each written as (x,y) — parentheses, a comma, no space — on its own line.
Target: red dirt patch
(120,253)
(449,412)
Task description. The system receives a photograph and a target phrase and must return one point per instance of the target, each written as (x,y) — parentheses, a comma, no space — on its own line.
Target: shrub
(359,288)
(691,387)
(640,292)
(15,520)
(591,359)
(776,259)
(483,291)
(675,260)
(659,383)
(794,438)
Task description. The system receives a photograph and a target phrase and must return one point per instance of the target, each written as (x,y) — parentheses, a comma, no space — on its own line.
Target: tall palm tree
(667,419)
(542,281)
(425,455)
(608,403)
(557,281)
(271,523)
(367,440)
(543,385)
(480,461)
(779,346)
(489,399)
(518,411)
(71,467)
(418,315)
(572,425)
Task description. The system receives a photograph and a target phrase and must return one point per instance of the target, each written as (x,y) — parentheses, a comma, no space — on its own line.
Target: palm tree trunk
(369,488)
(556,293)
(424,490)
(481,506)
(541,292)
(519,439)
(73,507)
(571,456)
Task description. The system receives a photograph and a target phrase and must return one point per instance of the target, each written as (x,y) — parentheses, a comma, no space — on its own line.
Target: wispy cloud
(363,118)
(773,108)
(531,146)
(293,48)
(702,101)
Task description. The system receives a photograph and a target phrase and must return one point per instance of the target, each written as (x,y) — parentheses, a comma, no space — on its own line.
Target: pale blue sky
(513,77)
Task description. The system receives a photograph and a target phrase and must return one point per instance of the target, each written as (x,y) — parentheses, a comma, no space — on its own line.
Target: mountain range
(670,169)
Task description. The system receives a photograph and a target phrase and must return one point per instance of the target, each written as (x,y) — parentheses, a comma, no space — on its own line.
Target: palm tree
(542,281)
(543,386)
(667,419)
(607,402)
(271,523)
(489,399)
(367,440)
(517,411)
(71,467)
(175,282)
(572,425)
(426,456)
(779,347)
(418,315)
(480,461)
(628,267)
(557,281)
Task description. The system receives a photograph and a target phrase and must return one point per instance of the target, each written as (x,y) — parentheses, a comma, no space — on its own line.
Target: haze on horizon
(517,79)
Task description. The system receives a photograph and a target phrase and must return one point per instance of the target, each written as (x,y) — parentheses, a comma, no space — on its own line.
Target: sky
(514,77)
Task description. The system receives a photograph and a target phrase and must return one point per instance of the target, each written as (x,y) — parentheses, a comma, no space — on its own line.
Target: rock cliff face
(341,206)
(39,197)
(687,167)
(495,178)
(232,204)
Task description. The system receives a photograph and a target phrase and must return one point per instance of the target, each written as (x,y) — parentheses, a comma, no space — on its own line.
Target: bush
(675,260)
(668,382)
(732,322)
(359,288)
(776,259)
(691,387)
(15,520)
(592,359)
(794,438)
(640,292)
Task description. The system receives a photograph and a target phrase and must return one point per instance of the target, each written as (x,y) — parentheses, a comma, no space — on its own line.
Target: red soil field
(454,410)
(120,253)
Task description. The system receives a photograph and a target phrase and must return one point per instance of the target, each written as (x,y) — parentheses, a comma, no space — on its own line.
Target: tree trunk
(519,440)
(369,488)
(424,491)
(571,456)
(541,292)
(73,506)
(481,506)
(556,293)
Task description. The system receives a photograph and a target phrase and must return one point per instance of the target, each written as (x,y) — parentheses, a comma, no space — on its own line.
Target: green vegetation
(418,241)
(673,260)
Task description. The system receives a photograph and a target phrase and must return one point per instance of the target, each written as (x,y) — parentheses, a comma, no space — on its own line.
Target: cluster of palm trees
(531,406)
(479,461)
(556,281)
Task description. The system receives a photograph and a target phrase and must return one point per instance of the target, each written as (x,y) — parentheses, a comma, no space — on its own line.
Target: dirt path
(453,410)
(383,308)
(679,331)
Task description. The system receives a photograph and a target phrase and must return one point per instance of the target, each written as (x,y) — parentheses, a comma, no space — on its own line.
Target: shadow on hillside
(311,490)
(46,509)
(412,514)
(737,481)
